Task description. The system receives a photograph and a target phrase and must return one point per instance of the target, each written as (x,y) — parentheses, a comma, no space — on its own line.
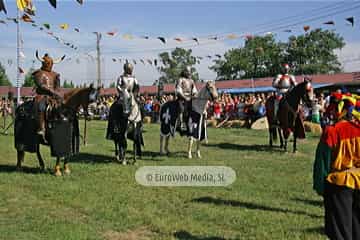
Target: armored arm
(194,91)
(276,81)
(118,84)
(179,91)
(40,81)
(293,82)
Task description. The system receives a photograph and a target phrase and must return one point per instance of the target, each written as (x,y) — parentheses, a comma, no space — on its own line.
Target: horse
(196,125)
(57,128)
(289,115)
(122,126)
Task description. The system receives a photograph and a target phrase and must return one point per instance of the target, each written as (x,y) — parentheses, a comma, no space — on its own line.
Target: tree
(112,85)
(313,53)
(68,85)
(4,80)
(29,81)
(310,53)
(174,63)
(261,56)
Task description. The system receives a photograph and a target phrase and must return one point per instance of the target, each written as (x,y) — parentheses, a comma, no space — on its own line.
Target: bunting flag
(218,55)
(162,39)
(27,18)
(22,55)
(76,30)
(47,26)
(178,39)
(329,23)
(196,40)
(34,25)
(53,3)
(21,71)
(155,62)
(2,21)
(113,33)
(127,36)
(149,61)
(2,6)
(23,4)
(114,60)
(306,28)
(249,37)
(209,57)
(145,37)
(213,38)
(80,1)
(350,20)
(13,19)
(142,61)
(64,26)
(288,31)
(134,61)
(232,36)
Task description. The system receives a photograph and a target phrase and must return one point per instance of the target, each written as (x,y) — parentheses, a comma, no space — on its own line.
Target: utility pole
(98,38)
(18,46)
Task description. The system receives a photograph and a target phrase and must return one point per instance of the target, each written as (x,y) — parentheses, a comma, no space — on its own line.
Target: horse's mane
(68,97)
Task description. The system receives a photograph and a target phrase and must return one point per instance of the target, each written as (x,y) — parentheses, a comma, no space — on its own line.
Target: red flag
(350,20)
(26,18)
(306,28)
(2,6)
(178,39)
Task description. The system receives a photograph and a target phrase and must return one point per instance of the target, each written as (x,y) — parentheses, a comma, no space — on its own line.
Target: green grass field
(272,197)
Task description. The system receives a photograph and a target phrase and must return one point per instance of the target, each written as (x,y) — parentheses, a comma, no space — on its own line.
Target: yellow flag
(127,36)
(22,4)
(64,26)
(232,36)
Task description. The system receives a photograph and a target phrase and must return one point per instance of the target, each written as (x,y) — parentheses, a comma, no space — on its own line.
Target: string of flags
(27,5)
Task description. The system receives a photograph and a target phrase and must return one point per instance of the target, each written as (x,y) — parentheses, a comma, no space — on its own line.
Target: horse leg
(162,145)
(281,138)
(67,170)
(294,144)
(123,147)
(57,167)
(191,140)
(198,149)
(20,159)
(270,136)
(167,145)
(40,159)
(117,157)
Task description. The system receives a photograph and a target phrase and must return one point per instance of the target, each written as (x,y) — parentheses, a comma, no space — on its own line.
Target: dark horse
(62,128)
(289,116)
(122,126)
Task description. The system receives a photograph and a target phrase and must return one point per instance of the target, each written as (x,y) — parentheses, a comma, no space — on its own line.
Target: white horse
(169,115)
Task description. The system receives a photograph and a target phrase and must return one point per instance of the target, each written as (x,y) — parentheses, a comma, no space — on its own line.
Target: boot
(276,110)
(182,122)
(41,129)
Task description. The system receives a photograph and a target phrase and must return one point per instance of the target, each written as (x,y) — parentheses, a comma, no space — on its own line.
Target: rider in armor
(47,84)
(283,82)
(185,90)
(127,87)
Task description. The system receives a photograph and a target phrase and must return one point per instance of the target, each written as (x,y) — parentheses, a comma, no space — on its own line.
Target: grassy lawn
(272,197)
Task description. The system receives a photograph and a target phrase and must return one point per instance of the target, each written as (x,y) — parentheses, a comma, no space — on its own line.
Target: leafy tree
(68,85)
(261,56)
(112,85)
(313,53)
(174,63)
(29,81)
(4,80)
(310,53)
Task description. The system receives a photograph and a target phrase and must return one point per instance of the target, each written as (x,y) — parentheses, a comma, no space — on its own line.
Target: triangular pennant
(114,59)
(350,20)
(34,25)
(196,40)
(113,33)
(288,30)
(2,6)
(145,37)
(21,71)
(142,61)
(214,38)
(149,61)
(155,62)
(218,55)
(2,21)
(46,25)
(162,39)
(178,39)
(53,3)
(76,30)
(64,26)
(80,1)
(22,55)
(134,61)
(127,36)
(232,36)
(13,19)
(27,18)
(329,23)
(22,4)
(306,28)
(209,57)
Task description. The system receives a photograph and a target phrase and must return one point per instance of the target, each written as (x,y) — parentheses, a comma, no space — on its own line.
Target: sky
(169,19)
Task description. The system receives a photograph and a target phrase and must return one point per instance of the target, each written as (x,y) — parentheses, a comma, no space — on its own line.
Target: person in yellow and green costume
(336,173)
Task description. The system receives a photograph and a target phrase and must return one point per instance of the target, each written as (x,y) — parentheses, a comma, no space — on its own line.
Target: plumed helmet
(128,68)
(286,66)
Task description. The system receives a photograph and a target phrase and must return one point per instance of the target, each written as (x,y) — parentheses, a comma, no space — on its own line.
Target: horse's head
(307,91)
(211,88)
(94,93)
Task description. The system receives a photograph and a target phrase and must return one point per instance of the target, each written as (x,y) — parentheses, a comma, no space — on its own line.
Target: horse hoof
(124,163)
(189,156)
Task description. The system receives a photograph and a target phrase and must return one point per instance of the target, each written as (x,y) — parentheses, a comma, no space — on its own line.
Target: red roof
(228,84)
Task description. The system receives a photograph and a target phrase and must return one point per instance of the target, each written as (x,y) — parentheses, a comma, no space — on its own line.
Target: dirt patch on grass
(141,233)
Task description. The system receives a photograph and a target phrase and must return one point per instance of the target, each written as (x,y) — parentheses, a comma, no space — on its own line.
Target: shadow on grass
(184,235)
(255,147)
(252,206)
(318,230)
(24,169)
(316,203)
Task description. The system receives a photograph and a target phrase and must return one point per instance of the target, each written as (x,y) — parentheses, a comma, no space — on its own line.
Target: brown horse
(289,115)
(26,139)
